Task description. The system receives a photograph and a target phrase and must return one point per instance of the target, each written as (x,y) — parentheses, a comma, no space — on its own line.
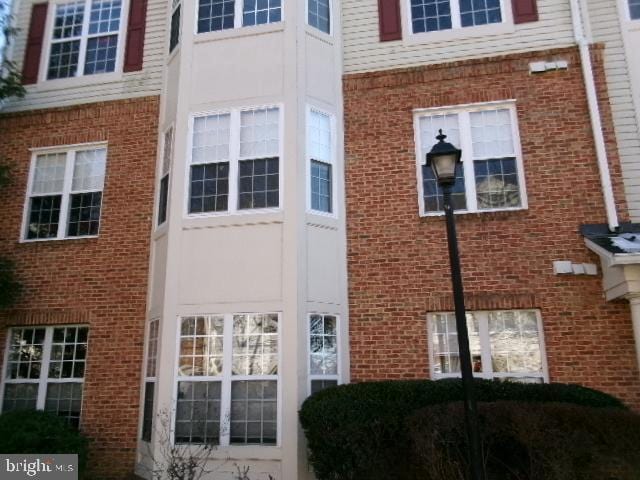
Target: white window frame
(485,347)
(227,378)
(238,8)
(234,159)
(463,112)
(48,37)
(70,151)
(313,28)
(44,379)
(334,194)
(456,31)
(337,377)
(161,173)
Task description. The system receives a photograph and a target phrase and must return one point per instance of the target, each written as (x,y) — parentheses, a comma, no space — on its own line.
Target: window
(435,15)
(319,15)
(84,38)
(505,344)
(150,380)
(65,189)
(228,379)
(634,9)
(323,352)
(253,158)
(163,197)
(174,33)
(45,370)
(490,176)
(214,15)
(320,156)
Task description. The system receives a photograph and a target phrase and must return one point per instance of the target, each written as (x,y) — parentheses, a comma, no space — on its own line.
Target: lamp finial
(441,137)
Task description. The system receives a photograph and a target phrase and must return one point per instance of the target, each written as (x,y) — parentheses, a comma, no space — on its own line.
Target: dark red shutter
(134,50)
(389,18)
(34,44)
(524,11)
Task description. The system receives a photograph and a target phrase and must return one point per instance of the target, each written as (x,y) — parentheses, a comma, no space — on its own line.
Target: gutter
(594,113)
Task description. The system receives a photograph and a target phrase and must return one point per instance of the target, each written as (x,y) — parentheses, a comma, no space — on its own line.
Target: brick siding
(398,262)
(100,281)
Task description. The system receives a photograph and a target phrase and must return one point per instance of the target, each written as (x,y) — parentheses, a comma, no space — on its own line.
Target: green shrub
(358,431)
(35,431)
(524,441)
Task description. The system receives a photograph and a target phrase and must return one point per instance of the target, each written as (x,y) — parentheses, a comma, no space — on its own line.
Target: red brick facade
(100,281)
(398,263)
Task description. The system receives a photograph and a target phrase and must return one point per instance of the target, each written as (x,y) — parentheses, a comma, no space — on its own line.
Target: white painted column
(634,302)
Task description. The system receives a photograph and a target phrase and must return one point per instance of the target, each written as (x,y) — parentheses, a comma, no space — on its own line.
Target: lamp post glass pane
(444,168)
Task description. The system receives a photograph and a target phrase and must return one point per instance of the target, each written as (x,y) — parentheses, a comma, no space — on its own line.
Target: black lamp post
(443,159)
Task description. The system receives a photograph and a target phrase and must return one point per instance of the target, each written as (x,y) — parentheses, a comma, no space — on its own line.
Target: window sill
(320,35)
(173,54)
(40,240)
(226,219)
(75,82)
(493,213)
(458,33)
(239,32)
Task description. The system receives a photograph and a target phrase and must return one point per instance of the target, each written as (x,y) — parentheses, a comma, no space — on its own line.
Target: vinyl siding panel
(88,89)
(606,28)
(364,52)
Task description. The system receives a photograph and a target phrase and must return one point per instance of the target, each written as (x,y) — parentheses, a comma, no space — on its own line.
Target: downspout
(594,113)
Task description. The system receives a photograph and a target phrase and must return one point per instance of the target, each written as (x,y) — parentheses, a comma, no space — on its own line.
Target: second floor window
(235,161)
(634,9)
(320,155)
(84,38)
(435,15)
(214,15)
(319,14)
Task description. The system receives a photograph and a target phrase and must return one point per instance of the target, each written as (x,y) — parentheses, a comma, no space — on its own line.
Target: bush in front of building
(35,432)
(527,441)
(361,430)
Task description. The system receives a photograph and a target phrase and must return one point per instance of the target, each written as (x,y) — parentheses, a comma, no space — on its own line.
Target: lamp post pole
(470,406)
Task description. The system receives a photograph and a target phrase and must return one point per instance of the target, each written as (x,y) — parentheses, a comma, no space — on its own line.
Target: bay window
(215,15)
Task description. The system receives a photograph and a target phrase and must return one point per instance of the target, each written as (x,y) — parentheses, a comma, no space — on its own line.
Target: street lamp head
(443,159)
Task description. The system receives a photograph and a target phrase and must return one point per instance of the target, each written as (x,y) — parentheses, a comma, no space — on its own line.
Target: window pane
(319,15)
(48,176)
(321,186)
(63,62)
(44,214)
(634,9)
(209,190)
(201,346)
(25,353)
(68,352)
(259,183)
(152,348)
(479,12)
(445,343)
(163,199)
(319,137)
(198,412)
(430,15)
(515,344)
(323,345)
(20,396)
(174,37)
(84,214)
(65,399)
(257,12)
(259,134)
(215,15)
(147,415)
(255,344)
(491,134)
(434,196)
(318,385)
(497,183)
(101,54)
(167,151)
(254,412)
(68,20)
(105,16)
(210,139)
(88,172)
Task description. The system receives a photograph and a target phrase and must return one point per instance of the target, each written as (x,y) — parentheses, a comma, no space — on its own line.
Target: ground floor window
(505,344)
(227,374)
(323,352)
(45,370)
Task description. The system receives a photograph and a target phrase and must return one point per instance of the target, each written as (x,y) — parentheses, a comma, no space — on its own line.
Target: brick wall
(398,262)
(101,281)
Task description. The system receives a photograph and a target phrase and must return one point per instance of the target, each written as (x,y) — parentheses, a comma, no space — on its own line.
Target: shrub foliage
(35,431)
(360,430)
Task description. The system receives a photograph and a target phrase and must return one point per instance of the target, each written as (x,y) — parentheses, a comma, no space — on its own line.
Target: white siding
(606,28)
(147,81)
(363,50)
